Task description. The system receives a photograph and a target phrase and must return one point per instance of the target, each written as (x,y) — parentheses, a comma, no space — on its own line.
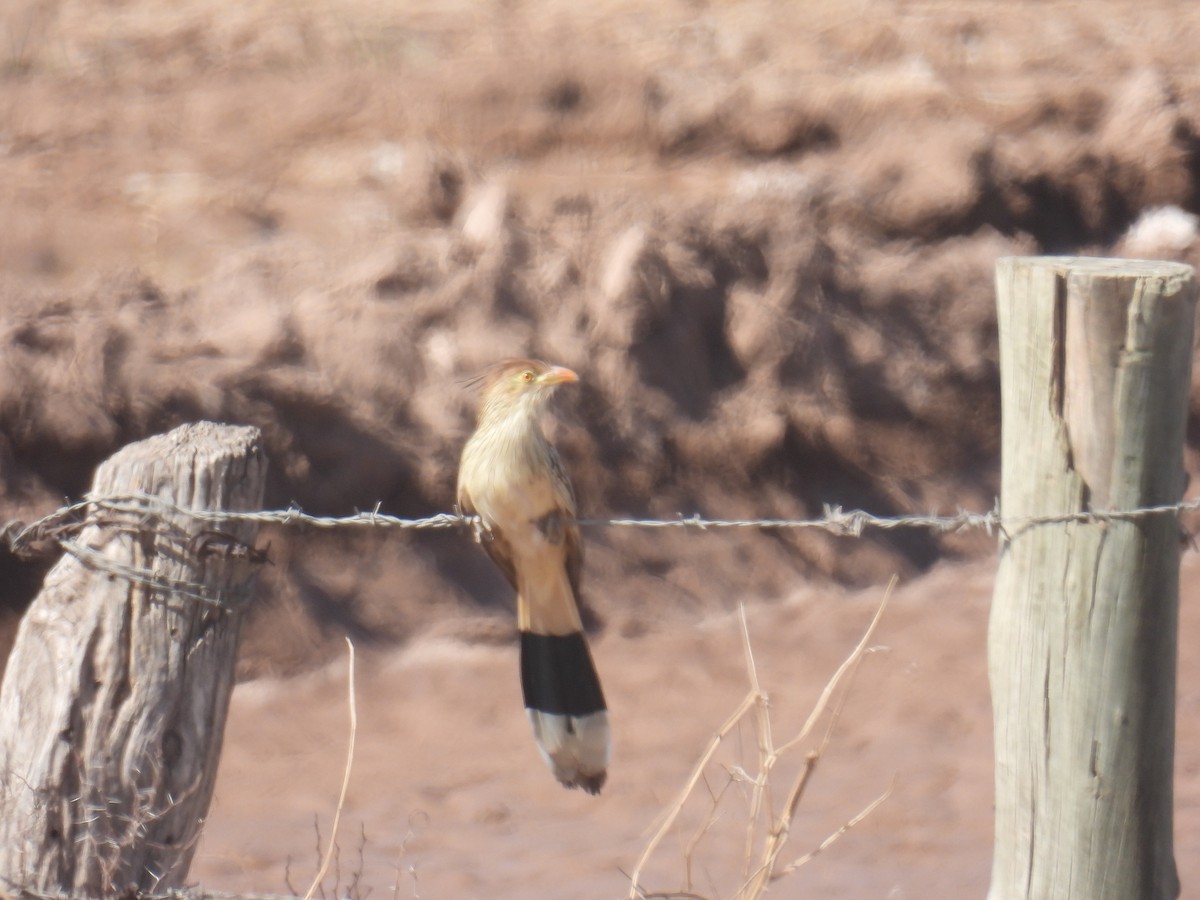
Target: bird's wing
(490,538)
(574,558)
(573,541)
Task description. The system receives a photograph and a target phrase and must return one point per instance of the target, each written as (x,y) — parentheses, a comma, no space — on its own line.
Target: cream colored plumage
(511,477)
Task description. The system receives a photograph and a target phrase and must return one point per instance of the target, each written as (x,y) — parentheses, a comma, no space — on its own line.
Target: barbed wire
(222,599)
(127,509)
(144,513)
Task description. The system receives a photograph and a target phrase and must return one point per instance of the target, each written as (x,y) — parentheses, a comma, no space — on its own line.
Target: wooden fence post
(113,704)
(1095,360)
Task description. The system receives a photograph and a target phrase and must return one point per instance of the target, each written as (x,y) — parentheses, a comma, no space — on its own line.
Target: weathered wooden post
(1095,372)
(113,704)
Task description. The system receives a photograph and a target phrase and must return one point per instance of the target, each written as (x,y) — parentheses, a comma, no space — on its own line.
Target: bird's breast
(506,474)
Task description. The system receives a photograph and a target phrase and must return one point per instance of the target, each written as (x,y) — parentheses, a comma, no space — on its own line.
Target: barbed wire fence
(135,513)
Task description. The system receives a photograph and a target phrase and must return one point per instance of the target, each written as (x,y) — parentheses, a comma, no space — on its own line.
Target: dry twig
(337,816)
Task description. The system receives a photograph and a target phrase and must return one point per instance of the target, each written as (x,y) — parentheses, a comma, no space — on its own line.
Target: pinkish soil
(764,234)
(449,799)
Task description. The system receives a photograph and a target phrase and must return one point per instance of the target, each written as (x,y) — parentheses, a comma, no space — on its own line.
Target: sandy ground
(448,798)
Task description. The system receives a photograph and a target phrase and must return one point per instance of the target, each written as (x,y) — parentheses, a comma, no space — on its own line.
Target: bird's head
(517,383)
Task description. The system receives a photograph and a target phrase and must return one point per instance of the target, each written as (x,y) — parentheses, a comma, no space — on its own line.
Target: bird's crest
(497,371)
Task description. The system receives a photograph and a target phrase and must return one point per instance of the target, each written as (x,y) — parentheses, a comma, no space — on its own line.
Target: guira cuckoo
(511,477)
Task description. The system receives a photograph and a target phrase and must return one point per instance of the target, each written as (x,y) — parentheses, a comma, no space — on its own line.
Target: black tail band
(558,676)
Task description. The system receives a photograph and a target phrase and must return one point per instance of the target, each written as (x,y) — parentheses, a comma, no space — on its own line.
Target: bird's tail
(566,707)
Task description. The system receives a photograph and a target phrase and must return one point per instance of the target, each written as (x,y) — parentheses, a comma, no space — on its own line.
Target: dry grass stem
(337,816)
(673,811)
(709,821)
(851,662)
(781,827)
(766,832)
(824,845)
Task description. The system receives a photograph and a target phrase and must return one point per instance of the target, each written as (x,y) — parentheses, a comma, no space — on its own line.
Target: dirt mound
(765,241)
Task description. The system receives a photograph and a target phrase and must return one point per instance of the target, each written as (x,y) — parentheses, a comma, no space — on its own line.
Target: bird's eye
(527,376)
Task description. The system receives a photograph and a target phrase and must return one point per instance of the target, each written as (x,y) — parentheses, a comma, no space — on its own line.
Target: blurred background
(762,232)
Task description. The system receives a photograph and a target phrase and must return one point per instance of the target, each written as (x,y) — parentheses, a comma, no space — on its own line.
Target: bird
(511,478)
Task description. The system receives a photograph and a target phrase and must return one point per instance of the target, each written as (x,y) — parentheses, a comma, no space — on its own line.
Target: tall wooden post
(113,704)
(1095,371)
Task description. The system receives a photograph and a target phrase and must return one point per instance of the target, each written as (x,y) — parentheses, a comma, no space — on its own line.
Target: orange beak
(558,375)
